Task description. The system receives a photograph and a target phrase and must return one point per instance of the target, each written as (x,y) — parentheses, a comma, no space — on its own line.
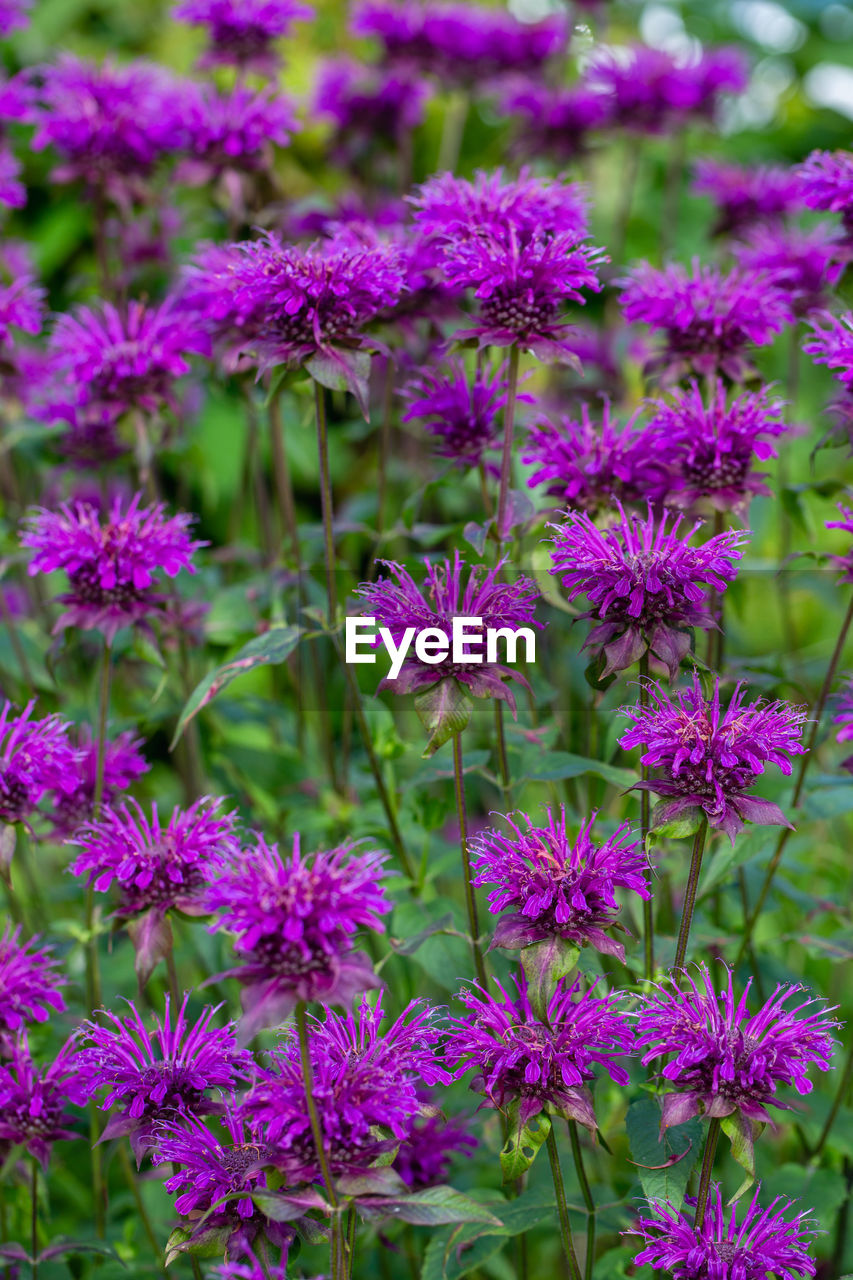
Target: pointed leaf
(342,370)
(663,1163)
(545,963)
(151,935)
(741,1133)
(444,709)
(523,1142)
(429,1208)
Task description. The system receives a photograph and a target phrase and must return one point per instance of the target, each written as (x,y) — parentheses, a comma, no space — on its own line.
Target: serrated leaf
(544,964)
(663,1163)
(523,1142)
(273,647)
(444,710)
(435,1206)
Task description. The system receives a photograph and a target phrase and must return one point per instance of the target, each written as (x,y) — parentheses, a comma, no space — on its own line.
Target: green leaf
(409,946)
(342,370)
(544,964)
(741,1133)
(523,1142)
(280,1208)
(663,1163)
(432,1207)
(686,824)
(444,709)
(206,1244)
(454,1251)
(274,646)
(62,1246)
(550,766)
(823,1191)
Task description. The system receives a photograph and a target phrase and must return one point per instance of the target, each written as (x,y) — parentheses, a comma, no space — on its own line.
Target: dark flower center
(88,589)
(520,313)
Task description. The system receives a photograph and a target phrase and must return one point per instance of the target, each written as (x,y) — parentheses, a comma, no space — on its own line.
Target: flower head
(518,1057)
(832,345)
(826,182)
(712,446)
(30,984)
(35,757)
(707,317)
(241,32)
(765,1243)
(552,122)
(34,1099)
(423,1158)
(461,413)
(557,887)
(646,586)
(14,14)
(365,1085)
(711,756)
(401,604)
(805,264)
(21,298)
(451,209)
(722,1058)
(371,107)
(158,1074)
(589,464)
(844,719)
(123,765)
(294,920)
(155,865)
(844,562)
(749,195)
(111,559)
(232,131)
(651,91)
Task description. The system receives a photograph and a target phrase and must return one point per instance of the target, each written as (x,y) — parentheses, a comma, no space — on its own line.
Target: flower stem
(690,894)
(283,480)
(350,1258)
(470,900)
(509,434)
(562,1207)
(93,975)
(577,1154)
(133,1185)
(503,763)
(34,1221)
(805,761)
(326,501)
(645,808)
(308,1081)
(707,1169)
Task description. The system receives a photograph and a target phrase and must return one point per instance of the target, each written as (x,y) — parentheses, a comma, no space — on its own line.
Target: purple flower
(35,758)
(845,562)
(234,131)
(647,587)
(649,90)
(211,1166)
(371,107)
(826,182)
(720,1057)
(294,920)
(557,887)
(589,465)
(124,764)
(111,559)
(518,1057)
(806,265)
(460,44)
(451,209)
(250,1269)
(29,985)
(401,605)
(423,1158)
(551,122)
(765,1243)
(14,14)
(832,345)
(34,1100)
(13,193)
(844,719)
(241,32)
(155,866)
(711,447)
(707,317)
(747,195)
(112,362)
(365,1085)
(21,299)
(110,124)
(161,1074)
(710,756)
(462,414)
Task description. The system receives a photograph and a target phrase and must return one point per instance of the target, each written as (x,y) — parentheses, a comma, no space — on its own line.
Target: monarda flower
(371,108)
(424,1158)
(111,559)
(588,464)
(806,265)
(366,1086)
(518,1058)
(35,757)
(406,609)
(712,444)
(227,133)
(34,1099)
(648,90)
(747,196)
(844,719)
(843,562)
(766,1242)
(710,757)
(555,886)
(708,318)
(826,183)
(832,345)
(241,33)
(294,920)
(548,121)
(462,413)
(124,764)
(646,586)
(121,361)
(14,14)
(21,299)
(157,1074)
(30,984)
(451,210)
(720,1057)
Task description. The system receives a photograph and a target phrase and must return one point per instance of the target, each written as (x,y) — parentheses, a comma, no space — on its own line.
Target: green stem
(690,893)
(645,822)
(577,1155)
(93,973)
(707,1170)
(34,1222)
(283,479)
(350,1240)
(503,762)
(470,900)
(133,1185)
(326,501)
(509,434)
(308,1081)
(805,761)
(562,1207)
